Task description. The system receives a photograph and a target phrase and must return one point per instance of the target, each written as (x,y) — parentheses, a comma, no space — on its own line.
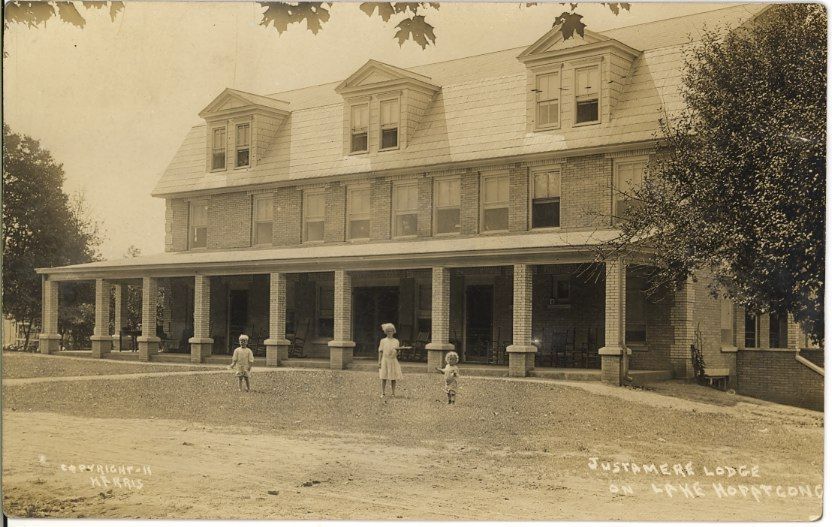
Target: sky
(114,100)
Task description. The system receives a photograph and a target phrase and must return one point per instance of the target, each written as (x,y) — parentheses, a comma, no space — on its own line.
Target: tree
(43,226)
(738,186)
(412,16)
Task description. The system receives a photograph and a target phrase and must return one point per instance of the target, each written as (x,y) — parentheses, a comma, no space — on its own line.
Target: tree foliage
(42,225)
(411,17)
(738,187)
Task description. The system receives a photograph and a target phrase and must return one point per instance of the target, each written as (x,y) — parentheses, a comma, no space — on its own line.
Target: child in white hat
(451,372)
(388,359)
(242,361)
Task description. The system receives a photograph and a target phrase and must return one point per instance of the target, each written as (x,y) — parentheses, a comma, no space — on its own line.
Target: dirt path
(105,377)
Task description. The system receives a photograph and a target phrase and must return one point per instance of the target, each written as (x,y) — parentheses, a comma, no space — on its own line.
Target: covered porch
(522,305)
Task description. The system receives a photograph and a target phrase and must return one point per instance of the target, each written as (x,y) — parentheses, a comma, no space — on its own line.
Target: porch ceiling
(535,248)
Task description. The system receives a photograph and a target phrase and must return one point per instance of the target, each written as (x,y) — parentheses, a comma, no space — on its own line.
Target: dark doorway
(372,307)
(479,320)
(237,317)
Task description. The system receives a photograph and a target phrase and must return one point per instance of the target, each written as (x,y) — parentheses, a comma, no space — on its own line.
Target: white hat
(243,337)
(388,325)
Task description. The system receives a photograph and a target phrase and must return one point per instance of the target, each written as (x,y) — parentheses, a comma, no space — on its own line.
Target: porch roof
(547,247)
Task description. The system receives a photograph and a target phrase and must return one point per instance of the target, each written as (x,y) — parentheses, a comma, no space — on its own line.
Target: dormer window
(243,145)
(587,90)
(548,100)
(389,111)
(218,148)
(359,128)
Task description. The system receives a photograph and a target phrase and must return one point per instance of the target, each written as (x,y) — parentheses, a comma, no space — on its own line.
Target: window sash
(548,99)
(546,184)
(359,118)
(198,228)
(389,111)
(447,193)
(406,198)
(358,204)
(629,175)
(263,207)
(587,82)
(243,141)
(314,211)
(495,192)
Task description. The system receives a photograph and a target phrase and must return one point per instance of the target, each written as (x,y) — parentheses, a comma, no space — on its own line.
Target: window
(495,203)
(358,213)
(198,228)
(359,119)
(262,227)
(218,149)
(726,322)
(629,175)
(243,143)
(636,331)
(325,311)
(587,88)
(447,206)
(546,199)
(561,290)
(548,100)
(777,330)
(405,209)
(752,330)
(389,124)
(314,211)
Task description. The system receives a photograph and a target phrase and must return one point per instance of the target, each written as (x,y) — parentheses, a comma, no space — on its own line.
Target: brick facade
(336,203)
(775,375)
(380,201)
(229,221)
(287,210)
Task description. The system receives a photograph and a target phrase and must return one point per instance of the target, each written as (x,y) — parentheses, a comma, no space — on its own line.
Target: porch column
(521,352)
(342,345)
(148,341)
(50,340)
(101,339)
(614,354)
(277,347)
(681,318)
(764,328)
(201,343)
(794,333)
(119,311)
(440,318)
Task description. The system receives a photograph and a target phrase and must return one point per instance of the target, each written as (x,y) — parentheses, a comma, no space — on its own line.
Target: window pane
(405,198)
(545,213)
(242,157)
(587,81)
(219,138)
(360,117)
(496,219)
(359,142)
(199,213)
(447,193)
(554,184)
(447,220)
(242,134)
(587,111)
(218,160)
(389,112)
(750,330)
(359,229)
(200,237)
(541,185)
(263,209)
(549,86)
(390,138)
(406,225)
(359,201)
(314,231)
(263,233)
(315,205)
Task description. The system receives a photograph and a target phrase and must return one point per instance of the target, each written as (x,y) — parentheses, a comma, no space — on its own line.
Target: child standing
(388,359)
(242,359)
(451,372)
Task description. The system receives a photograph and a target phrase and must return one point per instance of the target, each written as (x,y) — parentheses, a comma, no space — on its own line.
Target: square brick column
(277,347)
(795,338)
(440,318)
(119,311)
(681,318)
(521,352)
(201,343)
(764,323)
(50,340)
(342,345)
(615,354)
(148,341)
(739,321)
(101,339)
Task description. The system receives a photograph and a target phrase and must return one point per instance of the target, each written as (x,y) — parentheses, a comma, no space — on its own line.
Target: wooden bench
(716,377)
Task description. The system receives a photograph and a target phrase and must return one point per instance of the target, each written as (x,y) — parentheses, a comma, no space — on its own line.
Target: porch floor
(363,364)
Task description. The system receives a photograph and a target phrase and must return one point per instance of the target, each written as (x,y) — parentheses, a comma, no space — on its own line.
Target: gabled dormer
(574,82)
(383,105)
(241,128)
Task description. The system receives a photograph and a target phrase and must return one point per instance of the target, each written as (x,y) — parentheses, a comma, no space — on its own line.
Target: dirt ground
(322,444)
(18,365)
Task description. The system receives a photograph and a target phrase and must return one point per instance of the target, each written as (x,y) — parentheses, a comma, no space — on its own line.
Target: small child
(243,358)
(451,372)
(388,359)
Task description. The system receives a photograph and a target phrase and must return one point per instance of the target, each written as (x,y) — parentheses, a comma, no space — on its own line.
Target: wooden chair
(561,356)
(298,340)
(715,377)
(420,354)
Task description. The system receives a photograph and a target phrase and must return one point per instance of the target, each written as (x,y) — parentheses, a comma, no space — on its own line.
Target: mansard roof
(479,115)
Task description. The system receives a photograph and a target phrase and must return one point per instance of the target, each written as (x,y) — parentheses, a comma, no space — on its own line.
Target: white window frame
(484,206)
(238,147)
(191,205)
(616,176)
(436,207)
(403,212)
(359,216)
(537,99)
(731,322)
(389,126)
(532,174)
(587,97)
(269,198)
(306,218)
(352,129)
(223,150)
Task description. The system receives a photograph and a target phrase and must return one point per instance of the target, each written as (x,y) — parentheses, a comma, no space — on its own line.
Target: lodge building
(465,201)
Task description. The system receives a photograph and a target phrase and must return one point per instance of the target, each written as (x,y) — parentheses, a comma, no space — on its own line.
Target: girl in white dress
(388,359)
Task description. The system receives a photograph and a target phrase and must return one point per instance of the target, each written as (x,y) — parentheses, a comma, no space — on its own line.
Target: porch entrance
(237,317)
(479,321)
(372,307)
